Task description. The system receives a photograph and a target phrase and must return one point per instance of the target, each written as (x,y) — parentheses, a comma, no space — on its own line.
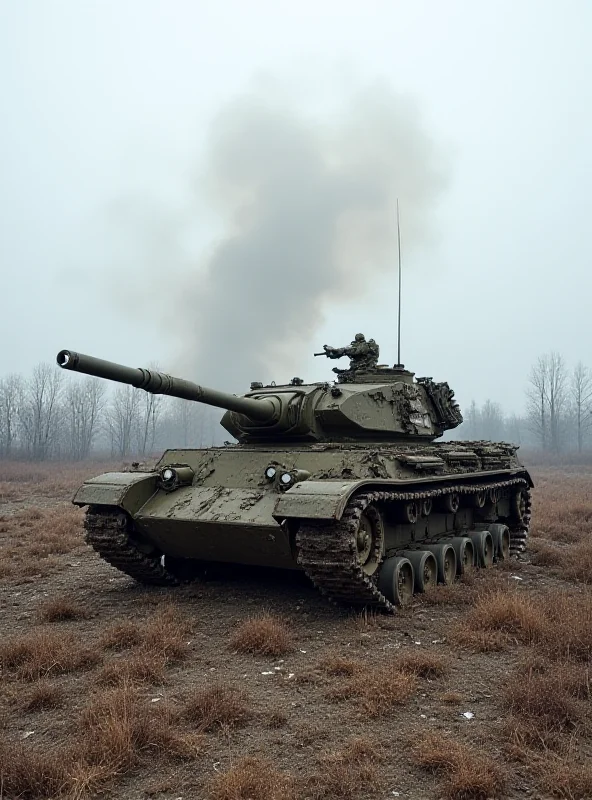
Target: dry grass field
(254,688)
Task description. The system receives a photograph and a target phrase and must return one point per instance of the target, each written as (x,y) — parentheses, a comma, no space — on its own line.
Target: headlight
(286,478)
(270,473)
(173,477)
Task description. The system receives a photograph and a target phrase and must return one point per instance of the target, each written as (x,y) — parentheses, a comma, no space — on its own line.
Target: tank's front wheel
(370,540)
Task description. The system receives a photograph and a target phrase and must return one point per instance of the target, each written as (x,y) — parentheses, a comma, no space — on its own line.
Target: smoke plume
(309,212)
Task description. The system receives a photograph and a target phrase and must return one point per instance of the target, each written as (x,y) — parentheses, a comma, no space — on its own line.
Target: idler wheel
(501,541)
(396,580)
(370,540)
(465,554)
(483,544)
(446,561)
(424,568)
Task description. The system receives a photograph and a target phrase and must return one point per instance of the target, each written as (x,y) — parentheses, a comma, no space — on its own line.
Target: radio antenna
(399,312)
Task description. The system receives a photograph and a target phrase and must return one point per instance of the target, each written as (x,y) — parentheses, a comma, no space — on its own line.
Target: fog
(213,188)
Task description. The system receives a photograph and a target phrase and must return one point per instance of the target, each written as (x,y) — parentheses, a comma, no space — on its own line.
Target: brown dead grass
(60,609)
(376,690)
(124,729)
(423,664)
(42,653)
(119,730)
(467,773)
(548,702)
(35,773)
(564,777)
(560,622)
(345,773)
(166,633)
(335,664)
(148,668)
(32,540)
(43,695)
(121,636)
(252,779)
(454,698)
(218,706)
(266,635)
(49,479)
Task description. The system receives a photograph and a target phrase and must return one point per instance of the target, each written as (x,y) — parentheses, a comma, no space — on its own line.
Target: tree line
(49,415)
(557,416)
(46,416)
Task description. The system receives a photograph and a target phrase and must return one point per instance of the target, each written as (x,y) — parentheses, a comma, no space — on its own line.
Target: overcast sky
(110,122)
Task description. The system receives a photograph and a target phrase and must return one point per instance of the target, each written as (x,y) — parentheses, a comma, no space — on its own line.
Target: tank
(342,479)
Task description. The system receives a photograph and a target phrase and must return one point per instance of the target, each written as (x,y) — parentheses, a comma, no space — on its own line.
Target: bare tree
(85,401)
(537,402)
(513,428)
(123,419)
(556,397)
(581,396)
(39,412)
(150,408)
(472,422)
(11,398)
(492,421)
(547,400)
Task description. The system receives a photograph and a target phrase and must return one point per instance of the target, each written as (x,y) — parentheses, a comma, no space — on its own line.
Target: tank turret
(371,403)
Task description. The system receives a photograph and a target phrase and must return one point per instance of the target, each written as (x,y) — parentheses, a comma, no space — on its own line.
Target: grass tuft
(560,622)
(121,636)
(335,665)
(60,609)
(43,695)
(422,664)
(166,634)
(467,773)
(42,653)
(218,706)
(565,778)
(266,635)
(124,729)
(377,690)
(252,779)
(146,668)
(342,774)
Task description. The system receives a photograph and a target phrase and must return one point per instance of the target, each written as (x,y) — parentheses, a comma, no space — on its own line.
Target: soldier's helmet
(359,337)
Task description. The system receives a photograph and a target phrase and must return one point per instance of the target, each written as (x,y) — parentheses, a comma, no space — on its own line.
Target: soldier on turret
(363,355)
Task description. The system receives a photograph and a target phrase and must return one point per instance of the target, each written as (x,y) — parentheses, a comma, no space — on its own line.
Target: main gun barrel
(159,383)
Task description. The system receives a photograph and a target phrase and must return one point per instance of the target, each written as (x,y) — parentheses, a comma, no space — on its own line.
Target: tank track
(108,532)
(327,553)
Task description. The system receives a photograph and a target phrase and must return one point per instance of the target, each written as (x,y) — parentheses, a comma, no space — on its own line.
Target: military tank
(341,479)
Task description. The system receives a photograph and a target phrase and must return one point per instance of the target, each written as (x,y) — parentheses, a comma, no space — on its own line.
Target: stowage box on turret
(343,480)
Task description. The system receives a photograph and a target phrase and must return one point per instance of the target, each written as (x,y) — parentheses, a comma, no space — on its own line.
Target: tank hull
(231,512)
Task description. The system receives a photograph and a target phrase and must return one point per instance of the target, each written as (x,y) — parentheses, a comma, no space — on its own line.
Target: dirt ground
(253,687)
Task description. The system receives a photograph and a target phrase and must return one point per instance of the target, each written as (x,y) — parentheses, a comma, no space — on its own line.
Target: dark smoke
(309,209)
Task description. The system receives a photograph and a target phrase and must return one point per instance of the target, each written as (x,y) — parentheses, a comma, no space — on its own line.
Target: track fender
(126,490)
(316,499)
(327,499)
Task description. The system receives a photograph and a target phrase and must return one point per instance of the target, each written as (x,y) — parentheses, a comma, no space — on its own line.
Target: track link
(327,553)
(107,530)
